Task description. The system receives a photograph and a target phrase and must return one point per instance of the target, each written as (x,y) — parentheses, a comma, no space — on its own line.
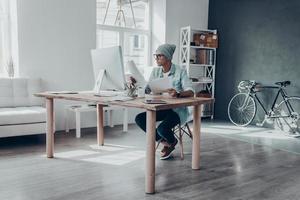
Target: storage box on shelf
(198,56)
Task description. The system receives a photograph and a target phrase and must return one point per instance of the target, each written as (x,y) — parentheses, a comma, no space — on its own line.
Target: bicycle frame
(281,92)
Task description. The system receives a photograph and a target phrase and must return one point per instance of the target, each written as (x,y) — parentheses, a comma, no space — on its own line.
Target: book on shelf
(205,56)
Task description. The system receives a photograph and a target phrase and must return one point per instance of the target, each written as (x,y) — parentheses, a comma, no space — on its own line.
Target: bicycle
(242,107)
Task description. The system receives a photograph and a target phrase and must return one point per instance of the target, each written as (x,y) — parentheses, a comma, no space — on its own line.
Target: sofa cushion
(22,115)
(35,86)
(6,93)
(19,92)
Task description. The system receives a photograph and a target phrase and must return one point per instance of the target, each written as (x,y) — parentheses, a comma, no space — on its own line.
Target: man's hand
(172,92)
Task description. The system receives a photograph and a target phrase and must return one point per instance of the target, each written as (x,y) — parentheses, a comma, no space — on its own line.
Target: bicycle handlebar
(246,85)
(253,85)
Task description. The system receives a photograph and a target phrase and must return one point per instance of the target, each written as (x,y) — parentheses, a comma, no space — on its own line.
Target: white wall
(158,24)
(181,13)
(55,38)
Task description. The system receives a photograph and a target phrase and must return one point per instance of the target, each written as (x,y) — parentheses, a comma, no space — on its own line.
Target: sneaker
(165,147)
(165,143)
(167,151)
(163,151)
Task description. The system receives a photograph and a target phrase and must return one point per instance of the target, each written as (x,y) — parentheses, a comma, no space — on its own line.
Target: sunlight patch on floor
(256,132)
(75,153)
(220,130)
(250,131)
(117,159)
(111,147)
(105,147)
(268,134)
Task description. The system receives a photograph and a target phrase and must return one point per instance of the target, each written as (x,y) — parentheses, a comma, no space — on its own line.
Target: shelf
(204,31)
(200,61)
(206,115)
(200,65)
(202,82)
(189,28)
(197,65)
(199,47)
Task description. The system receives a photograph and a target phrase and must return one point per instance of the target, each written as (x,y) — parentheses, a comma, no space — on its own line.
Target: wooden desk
(151,119)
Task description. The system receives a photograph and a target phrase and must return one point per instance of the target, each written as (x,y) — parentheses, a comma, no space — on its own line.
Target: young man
(182,87)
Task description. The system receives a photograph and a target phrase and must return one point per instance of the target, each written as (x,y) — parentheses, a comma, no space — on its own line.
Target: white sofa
(21,113)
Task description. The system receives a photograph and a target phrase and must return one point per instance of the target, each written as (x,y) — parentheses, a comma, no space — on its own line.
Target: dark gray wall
(258,40)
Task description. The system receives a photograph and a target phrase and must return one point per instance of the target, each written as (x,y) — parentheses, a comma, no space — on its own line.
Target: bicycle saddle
(283,83)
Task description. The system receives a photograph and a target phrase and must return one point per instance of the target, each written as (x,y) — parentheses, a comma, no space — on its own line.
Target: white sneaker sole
(166,157)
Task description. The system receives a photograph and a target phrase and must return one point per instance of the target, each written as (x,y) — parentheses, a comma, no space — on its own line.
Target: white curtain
(5,41)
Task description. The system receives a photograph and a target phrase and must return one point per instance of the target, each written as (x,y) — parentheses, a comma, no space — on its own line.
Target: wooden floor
(230,169)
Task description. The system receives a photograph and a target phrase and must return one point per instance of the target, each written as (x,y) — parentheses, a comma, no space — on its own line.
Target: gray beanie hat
(167,50)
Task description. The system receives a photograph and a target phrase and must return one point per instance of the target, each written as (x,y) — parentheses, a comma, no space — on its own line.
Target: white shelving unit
(200,63)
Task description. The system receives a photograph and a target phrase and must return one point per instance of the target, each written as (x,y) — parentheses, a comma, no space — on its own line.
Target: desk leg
(150,155)
(196,137)
(50,128)
(78,125)
(100,131)
(125,119)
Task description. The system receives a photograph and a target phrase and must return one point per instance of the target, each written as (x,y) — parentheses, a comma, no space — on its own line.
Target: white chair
(179,131)
(78,109)
(182,129)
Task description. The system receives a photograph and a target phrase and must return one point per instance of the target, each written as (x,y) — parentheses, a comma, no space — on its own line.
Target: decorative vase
(10,68)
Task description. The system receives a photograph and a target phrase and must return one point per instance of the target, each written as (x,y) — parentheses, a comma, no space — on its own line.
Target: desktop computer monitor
(108,69)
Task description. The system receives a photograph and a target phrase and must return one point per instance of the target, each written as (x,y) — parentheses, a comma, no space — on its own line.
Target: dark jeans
(168,118)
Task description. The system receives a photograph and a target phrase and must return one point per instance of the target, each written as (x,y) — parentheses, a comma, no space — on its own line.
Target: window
(135,50)
(125,23)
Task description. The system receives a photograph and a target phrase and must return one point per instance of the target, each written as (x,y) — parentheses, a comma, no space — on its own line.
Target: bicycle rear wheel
(241,109)
(288,112)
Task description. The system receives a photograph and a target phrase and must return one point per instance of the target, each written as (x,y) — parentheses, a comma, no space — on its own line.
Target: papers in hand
(160,85)
(136,73)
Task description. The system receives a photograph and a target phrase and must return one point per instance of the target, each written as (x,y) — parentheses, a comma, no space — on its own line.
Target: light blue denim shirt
(180,82)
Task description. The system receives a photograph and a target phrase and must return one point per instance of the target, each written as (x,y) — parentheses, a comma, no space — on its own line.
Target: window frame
(123,30)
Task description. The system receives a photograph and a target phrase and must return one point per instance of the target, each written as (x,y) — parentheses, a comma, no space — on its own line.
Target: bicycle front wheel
(241,109)
(288,112)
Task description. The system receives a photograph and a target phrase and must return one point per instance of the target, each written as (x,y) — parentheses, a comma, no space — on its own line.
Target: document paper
(160,85)
(136,73)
